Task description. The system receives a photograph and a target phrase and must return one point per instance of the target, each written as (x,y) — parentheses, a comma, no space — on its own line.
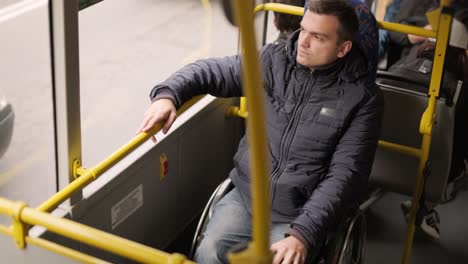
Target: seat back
(402,115)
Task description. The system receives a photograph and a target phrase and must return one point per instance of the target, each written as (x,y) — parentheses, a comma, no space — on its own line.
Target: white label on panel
(127,206)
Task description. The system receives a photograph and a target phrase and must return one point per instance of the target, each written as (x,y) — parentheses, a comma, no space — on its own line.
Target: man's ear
(345,47)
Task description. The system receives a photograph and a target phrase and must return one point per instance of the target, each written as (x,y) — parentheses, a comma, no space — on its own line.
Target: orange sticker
(163,166)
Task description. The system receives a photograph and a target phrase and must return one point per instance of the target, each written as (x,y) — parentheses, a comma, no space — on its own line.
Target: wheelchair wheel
(205,217)
(353,244)
(346,246)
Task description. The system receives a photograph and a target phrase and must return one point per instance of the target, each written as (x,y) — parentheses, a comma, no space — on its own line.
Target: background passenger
(285,23)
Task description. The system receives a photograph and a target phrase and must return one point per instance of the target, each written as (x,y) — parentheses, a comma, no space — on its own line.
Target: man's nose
(304,41)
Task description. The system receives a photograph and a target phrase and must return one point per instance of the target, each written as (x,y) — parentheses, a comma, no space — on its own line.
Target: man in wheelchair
(323,122)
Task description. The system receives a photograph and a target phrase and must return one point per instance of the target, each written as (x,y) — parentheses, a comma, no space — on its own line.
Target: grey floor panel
(387,231)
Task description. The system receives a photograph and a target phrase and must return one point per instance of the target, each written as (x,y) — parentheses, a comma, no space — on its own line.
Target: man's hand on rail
(161,110)
(289,251)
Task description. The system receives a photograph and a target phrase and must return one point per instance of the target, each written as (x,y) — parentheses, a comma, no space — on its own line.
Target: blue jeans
(230,225)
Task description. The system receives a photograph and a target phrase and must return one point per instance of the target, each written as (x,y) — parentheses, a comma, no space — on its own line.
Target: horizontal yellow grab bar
(415,152)
(418,31)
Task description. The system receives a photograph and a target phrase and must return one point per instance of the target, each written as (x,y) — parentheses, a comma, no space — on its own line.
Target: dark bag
(417,68)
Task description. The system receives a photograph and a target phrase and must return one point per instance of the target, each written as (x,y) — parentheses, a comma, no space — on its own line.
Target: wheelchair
(343,245)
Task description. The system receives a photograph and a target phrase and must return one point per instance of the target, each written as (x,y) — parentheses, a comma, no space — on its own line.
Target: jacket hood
(350,68)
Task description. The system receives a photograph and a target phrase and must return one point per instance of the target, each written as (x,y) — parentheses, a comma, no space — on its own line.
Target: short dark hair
(347,18)
(286,22)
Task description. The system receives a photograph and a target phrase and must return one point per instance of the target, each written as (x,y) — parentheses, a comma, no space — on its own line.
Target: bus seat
(404,106)
(344,245)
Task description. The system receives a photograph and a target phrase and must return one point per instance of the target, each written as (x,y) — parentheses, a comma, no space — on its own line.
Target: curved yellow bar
(428,117)
(281,8)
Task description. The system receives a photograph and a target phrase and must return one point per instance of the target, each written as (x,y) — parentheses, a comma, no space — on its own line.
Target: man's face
(318,41)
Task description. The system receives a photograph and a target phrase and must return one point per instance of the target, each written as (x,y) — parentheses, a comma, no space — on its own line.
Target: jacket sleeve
(219,77)
(347,177)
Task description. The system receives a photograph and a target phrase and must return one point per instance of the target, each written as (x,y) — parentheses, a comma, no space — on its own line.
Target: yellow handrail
(91,236)
(410,151)
(418,31)
(427,122)
(56,248)
(94,172)
(281,8)
(259,250)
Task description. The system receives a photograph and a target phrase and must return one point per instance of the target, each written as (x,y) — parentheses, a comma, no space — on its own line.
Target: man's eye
(319,38)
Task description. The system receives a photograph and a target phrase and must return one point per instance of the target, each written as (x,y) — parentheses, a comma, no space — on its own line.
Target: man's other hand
(289,250)
(162,110)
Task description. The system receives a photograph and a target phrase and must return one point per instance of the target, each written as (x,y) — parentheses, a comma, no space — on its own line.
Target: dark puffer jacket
(322,125)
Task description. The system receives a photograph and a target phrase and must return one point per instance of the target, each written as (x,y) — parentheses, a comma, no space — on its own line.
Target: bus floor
(386,232)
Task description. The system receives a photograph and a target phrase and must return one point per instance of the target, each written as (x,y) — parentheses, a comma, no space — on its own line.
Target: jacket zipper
(287,138)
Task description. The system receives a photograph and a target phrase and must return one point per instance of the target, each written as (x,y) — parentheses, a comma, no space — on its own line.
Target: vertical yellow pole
(428,120)
(258,251)
(243,105)
(415,200)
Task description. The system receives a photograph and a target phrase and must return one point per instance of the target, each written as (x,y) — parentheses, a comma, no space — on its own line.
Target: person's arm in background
(391,11)
(413,39)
